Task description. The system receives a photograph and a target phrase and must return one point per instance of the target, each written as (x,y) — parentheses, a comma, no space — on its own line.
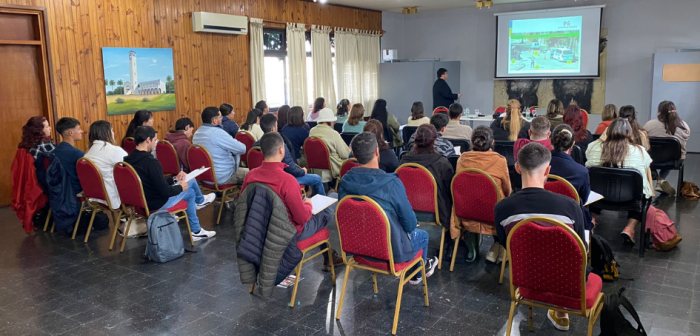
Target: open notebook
(593,197)
(193,174)
(321,202)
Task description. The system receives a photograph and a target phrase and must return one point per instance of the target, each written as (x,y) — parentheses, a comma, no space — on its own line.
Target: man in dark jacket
(227,124)
(442,94)
(180,139)
(388,191)
(268,123)
(162,193)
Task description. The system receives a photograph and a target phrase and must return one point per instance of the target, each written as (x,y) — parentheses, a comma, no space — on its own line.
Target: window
(277,67)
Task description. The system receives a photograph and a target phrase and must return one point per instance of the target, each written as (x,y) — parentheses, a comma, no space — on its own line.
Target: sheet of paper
(195,173)
(321,202)
(593,197)
(458,150)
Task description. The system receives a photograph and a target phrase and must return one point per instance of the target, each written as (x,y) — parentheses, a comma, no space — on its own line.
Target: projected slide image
(545,46)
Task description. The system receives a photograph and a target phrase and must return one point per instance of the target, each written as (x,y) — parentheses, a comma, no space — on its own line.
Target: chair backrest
(500,109)
(561,186)
(245,138)
(363,228)
(453,161)
(463,144)
(199,157)
(255,157)
(317,154)
(421,187)
(312,124)
(596,136)
(584,118)
(577,155)
(440,109)
(617,184)
(475,194)
(347,137)
(129,187)
(338,127)
(407,132)
(548,258)
(664,150)
(167,156)
(129,145)
(347,165)
(91,180)
(505,148)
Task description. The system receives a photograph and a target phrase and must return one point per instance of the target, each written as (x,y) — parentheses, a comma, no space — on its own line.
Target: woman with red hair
(36,137)
(573,118)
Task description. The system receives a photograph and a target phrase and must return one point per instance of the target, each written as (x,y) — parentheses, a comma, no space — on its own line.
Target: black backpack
(614,323)
(602,259)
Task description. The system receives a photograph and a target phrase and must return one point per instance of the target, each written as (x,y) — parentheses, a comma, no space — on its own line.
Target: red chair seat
(302,186)
(594,286)
(321,235)
(384,265)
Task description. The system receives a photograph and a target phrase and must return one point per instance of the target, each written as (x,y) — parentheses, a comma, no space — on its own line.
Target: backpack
(614,323)
(164,238)
(663,232)
(602,259)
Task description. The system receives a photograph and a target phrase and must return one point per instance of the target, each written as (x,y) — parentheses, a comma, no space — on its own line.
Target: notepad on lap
(193,174)
(593,197)
(321,202)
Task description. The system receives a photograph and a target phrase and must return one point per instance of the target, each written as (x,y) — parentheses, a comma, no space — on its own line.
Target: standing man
(442,94)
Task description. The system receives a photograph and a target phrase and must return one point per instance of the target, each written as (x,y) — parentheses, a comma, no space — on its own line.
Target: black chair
(666,153)
(347,137)
(464,145)
(312,124)
(577,155)
(406,133)
(453,161)
(623,190)
(596,136)
(505,148)
(338,127)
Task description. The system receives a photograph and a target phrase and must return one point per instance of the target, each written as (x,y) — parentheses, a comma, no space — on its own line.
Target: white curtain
(296,51)
(324,86)
(357,55)
(257,61)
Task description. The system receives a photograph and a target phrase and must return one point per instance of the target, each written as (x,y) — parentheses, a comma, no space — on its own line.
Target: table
(471,118)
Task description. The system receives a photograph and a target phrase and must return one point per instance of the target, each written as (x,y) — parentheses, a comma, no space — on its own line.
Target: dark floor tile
(234,328)
(202,326)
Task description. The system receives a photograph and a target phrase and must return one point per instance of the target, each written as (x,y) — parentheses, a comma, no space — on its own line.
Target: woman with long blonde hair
(512,126)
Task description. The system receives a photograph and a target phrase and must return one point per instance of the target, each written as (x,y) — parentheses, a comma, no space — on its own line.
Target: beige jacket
(338,149)
(656,129)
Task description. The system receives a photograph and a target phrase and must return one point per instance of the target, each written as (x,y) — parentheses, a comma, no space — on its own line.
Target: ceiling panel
(423,5)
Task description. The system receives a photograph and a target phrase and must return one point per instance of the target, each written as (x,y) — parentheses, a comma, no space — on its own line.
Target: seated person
(296,130)
(424,154)
(162,193)
(454,129)
(564,166)
(483,157)
(339,151)
(533,200)
(539,132)
(573,118)
(388,191)
(555,113)
(442,146)
(667,124)
(608,116)
(104,154)
(356,122)
(225,151)
(619,150)
(417,115)
(342,111)
(180,139)
(252,124)
(510,126)
(262,107)
(227,124)
(69,129)
(388,161)
(36,137)
(271,173)
(268,123)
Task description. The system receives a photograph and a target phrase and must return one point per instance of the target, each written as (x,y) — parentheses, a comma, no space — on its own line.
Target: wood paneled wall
(210,69)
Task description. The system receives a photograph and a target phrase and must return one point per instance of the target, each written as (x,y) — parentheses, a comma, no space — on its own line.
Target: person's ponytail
(562,138)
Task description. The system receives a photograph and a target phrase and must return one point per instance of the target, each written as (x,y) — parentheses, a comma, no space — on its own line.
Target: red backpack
(663,232)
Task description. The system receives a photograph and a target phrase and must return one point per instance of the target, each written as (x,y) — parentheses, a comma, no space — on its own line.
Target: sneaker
(429,270)
(203,234)
(493,252)
(560,323)
(628,234)
(337,261)
(667,188)
(501,255)
(658,187)
(208,199)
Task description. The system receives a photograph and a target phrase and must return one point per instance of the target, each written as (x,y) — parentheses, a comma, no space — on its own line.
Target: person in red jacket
(271,173)
(538,132)
(180,138)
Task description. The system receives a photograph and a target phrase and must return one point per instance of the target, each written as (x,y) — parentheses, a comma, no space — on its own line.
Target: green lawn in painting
(131,104)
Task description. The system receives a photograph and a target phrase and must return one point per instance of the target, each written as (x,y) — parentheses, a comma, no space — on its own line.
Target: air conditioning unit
(203,22)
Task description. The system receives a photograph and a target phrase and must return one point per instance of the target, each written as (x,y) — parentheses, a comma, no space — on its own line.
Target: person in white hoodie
(105,155)
(667,124)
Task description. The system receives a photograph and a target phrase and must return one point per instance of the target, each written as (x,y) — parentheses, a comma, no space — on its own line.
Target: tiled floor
(51,285)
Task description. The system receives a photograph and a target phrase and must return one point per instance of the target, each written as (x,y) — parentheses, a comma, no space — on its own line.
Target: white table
(487,119)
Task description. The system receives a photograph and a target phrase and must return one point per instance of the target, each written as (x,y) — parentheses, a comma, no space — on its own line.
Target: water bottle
(466,112)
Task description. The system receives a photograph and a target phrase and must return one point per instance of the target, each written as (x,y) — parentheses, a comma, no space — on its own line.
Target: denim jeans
(192,196)
(313,181)
(419,240)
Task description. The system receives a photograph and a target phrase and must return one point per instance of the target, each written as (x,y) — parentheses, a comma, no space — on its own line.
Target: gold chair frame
(567,183)
(402,275)
(226,194)
(591,314)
